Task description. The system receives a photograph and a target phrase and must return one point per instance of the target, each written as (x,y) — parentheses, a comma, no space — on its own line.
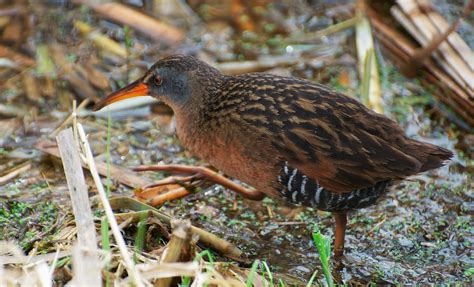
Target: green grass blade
(323,245)
(252,272)
(104,233)
(104,224)
(365,88)
(104,228)
(266,270)
(203,253)
(140,237)
(105,237)
(311,280)
(108,159)
(185,282)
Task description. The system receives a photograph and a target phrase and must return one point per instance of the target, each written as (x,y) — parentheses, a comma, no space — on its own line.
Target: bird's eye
(157,80)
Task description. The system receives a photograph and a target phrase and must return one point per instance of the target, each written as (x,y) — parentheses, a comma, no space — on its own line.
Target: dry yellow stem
(100,40)
(365,48)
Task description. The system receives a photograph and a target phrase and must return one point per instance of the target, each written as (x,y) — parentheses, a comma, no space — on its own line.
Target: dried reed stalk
(129,265)
(86,250)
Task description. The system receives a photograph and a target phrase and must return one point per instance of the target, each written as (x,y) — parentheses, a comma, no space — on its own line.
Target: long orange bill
(135,89)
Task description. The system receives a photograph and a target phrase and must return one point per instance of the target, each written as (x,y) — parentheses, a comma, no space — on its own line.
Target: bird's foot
(198,173)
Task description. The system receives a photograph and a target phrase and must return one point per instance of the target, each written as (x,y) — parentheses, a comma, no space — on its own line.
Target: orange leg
(174,180)
(341,222)
(198,173)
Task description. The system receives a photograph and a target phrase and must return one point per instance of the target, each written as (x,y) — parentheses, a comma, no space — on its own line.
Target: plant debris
(56,53)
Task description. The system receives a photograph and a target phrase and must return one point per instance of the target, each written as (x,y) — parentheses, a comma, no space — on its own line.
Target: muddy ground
(421,232)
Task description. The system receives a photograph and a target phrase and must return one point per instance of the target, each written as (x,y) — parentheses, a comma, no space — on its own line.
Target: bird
(286,137)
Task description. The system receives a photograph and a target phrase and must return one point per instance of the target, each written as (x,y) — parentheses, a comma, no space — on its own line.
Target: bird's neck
(195,127)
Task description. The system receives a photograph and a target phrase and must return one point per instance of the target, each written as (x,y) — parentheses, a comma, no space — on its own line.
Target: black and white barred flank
(299,189)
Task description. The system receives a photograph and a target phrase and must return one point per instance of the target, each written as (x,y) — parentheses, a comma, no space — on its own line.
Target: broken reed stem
(235,68)
(86,248)
(207,238)
(101,40)
(179,239)
(71,117)
(328,31)
(23,60)
(428,30)
(143,23)
(365,49)
(15,171)
(178,243)
(132,271)
(402,49)
(124,176)
(405,21)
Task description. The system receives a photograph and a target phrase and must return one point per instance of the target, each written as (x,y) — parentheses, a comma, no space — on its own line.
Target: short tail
(430,156)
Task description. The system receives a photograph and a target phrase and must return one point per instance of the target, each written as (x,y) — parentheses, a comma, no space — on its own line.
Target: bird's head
(172,80)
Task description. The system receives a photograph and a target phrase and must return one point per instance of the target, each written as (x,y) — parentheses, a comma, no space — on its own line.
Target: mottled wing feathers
(328,136)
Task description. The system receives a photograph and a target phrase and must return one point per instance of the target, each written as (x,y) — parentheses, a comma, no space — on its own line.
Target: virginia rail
(284,136)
